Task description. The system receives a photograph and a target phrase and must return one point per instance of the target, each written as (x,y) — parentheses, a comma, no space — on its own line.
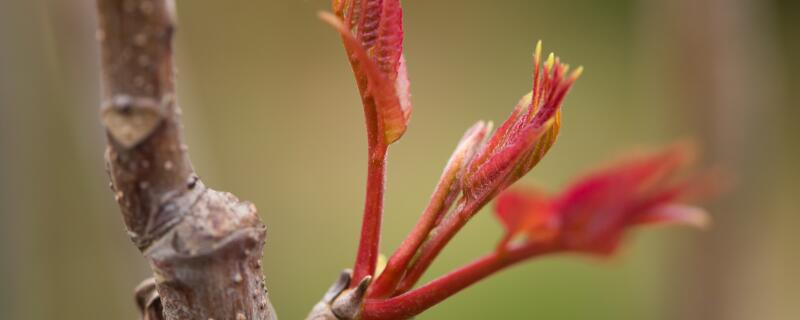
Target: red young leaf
(372,32)
(528,133)
(527,212)
(593,213)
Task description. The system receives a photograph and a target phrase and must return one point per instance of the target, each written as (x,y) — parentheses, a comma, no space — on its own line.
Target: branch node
(131,119)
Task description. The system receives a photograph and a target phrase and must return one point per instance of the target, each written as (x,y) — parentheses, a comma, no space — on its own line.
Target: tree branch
(204,246)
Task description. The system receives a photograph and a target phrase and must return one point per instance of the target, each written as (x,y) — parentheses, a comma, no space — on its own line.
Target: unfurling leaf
(449,185)
(526,136)
(593,213)
(372,32)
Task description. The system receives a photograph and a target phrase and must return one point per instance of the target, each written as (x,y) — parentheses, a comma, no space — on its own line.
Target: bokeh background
(272,114)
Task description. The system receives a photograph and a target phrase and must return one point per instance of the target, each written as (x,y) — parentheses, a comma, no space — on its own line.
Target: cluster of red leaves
(590,216)
(483,165)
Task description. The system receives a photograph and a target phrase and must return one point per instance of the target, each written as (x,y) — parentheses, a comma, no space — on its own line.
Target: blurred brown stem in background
(728,86)
(203,245)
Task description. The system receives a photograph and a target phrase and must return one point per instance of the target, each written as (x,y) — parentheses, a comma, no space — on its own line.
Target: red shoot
(372,32)
(445,194)
(511,152)
(590,216)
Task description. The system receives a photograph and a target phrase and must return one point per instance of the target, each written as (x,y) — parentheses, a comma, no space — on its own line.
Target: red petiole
(411,303)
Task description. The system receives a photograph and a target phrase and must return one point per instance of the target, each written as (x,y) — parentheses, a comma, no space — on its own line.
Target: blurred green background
(272,114)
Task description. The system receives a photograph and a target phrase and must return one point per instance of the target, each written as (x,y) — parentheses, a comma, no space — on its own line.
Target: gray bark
(204,246)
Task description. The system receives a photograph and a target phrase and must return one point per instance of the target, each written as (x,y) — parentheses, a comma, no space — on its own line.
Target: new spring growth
(594,212)
(526,136)
(590,216)
(503,158)
(372,33)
